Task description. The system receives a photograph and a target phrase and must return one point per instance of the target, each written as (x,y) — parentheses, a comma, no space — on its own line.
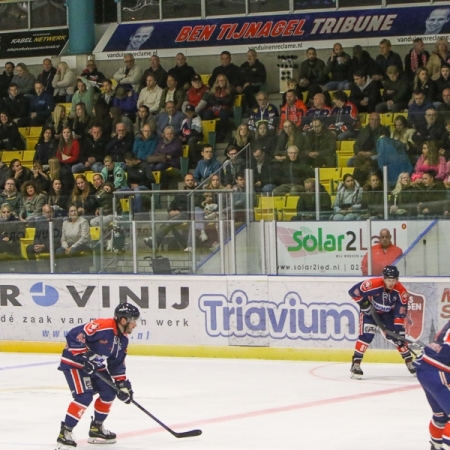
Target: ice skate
(410,365)
(65,438)
(355,370)
(98,434)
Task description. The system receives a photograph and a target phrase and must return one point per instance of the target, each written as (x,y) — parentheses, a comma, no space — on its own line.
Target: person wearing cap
(191,131)
(388,298)
(195,95)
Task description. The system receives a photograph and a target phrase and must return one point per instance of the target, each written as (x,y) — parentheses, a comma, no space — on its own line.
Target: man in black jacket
(227,68)
(121,144)
(6,78)
(93,151)
(264,171)
(253,76)
(364,92)
(306,205)
(16,104)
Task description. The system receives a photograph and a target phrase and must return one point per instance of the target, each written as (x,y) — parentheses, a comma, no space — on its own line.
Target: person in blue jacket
(100,345)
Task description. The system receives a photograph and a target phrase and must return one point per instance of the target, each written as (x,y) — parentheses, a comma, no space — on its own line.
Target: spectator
(46,146)
(343,119)
(121,144)
(264,139)
(168,151)
(416,110)
(182,72)
(338,66)
(444,149)
(206,166)
(364,92)
(444,108)
(195,95)
(429,160)
(404,197)
(265,172)
(232,167)
(83,197)
(6,78)
(416,59)
(312,71)
(290,136)
(10,138)
(443,82)
(107,94)
(385,253)
(144,117)
(117,117)
(145,143)
(242,138)
(63,172)
(114,173)
(19,173)
(431,197)
(347,204)
(158,72)
(150,96)
(170,116)
(40,109)
(129,75)
(57,200)
(80,122)
(126,100)
(9,240)
(385,59)
(404,133)
(306,204)
(40,178)
(32,202)
(93,75)
(191,131)
(320,110)
(322,146)
(64,83)
(84,94)
(441,55)
(24,79)
(68,151)
(362,62)
(227,68)
(430,130)
(396,92)
(93,151)
(294,110)
(105,206)
(252,78)
(263,111)
(17,104)
(172,94)
(12,196)
(423,82)
(58,120)
(372,197)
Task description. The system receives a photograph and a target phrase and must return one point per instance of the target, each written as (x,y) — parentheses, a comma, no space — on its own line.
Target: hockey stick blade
(183,434)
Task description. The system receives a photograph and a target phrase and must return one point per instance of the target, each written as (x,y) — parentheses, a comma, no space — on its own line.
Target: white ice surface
(238,404)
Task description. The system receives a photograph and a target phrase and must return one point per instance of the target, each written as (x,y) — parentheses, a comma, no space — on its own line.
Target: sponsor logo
(44,295)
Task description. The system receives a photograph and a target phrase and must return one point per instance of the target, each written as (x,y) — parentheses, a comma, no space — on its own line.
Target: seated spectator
(47,75)
(239,198)
(93,75)
(402,131)
(441,55)
(114,173)
(11,196)
(58,120)
(122,143)
(41,107)
(19,173)
(292,173)
(227,68)
(129,75)
(84,94)
(396,91)
(444,108)
(290,135)
(68,151)
(157,71)
(373,197)
(442,83)
(24,79)
(63,172)
(144,117)
(444,148)
(92,152)
(46,147)
(416,59)
(362,62)
(80,123)
(322,146)
(264,139)
(347,204)
(423,82)
(242,138)
(416,110)
(182,72)
(429,160)
(57,199)
(83,197)
(191,132)
(430,130)
(385,59)
(126,100)
(168,151)
(219,105)
(40,178)
(265,172)
(64,83)
(10,138)
(319,111)
(172,94)
(105,206)
(170,116)
(252,77)
(306,205)
(117,117)
(150,95)
(16,104)
(364,92)
(6,78)
(140,178)
(431,198)
(145,143)
(75,239)
(293,110)
(312,71)
(404,197)
(108,92)
(207,165)
(32,202)
(338,66)
(232,166)
(264,111)
(343,120)
(9,241)
(195,95)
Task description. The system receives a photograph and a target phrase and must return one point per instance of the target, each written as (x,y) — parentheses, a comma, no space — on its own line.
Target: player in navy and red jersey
(100,345)
(390,299)
(433,373)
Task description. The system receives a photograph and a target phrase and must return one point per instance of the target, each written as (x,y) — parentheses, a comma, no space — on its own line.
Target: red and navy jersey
(394,301)
(344,119)
(102,337)
(314,113)
(438,352)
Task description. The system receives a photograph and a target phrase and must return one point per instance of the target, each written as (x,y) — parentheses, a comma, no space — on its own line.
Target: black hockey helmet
(126,310)
(391,272)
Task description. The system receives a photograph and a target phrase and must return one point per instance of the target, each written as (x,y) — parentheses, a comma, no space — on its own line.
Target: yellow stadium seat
(347,147)
(386,119)
(205,77)
(184,160)
(290,207)
(26,240)
(24,131)
(326,177)
(237,109)
(209,131)
(35,131)
(269,208)
(9,155)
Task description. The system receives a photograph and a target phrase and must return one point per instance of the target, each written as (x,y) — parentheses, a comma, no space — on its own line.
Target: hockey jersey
(394,301)
(438,352)
(102,337)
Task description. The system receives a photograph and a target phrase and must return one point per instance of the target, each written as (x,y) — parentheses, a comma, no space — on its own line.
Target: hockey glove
(401,332)
(125,393)
(364,306)
(90,363)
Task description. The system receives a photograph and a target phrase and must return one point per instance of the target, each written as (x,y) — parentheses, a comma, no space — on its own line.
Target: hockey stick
(382,327)
(184,434)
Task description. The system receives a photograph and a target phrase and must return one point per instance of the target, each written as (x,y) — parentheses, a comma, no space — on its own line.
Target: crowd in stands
(127,127)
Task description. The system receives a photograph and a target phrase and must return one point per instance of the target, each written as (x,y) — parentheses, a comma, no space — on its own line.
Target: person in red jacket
(384,254)
(294,109)
(68,151)
(97,346)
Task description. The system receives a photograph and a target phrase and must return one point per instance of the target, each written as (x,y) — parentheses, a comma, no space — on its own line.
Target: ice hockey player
(100,345)
(433,373)
(390,299)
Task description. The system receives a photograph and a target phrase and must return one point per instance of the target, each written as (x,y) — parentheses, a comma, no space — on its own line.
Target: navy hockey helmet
(391,272)
(126,310)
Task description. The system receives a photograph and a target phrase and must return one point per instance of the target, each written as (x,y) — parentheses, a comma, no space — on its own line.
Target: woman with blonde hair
(68,151)
(64,83)
(80,121)
(24,79)
(58,120)
(242,137)
(83,196)
(423,82)
(440,56)
(404,197)
(58,171)
(430,159)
